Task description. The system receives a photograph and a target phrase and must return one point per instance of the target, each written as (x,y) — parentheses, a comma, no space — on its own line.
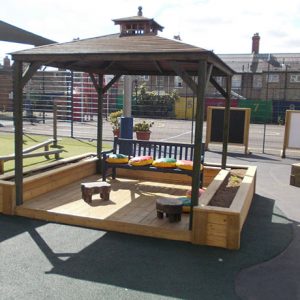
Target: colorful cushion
(185,165)
(186,204)
(141,160)
(189,193)
(165,163)
(117,159)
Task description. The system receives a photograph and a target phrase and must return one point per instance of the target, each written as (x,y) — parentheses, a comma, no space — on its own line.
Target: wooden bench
(156,149)
(27,153)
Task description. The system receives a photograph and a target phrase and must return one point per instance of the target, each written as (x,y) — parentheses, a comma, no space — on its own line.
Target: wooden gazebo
(136,50)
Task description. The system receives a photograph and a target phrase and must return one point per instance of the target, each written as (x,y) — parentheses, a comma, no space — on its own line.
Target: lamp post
(267,96)
(126,119)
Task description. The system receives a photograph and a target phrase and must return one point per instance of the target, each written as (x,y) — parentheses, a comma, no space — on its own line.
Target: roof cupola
(138,25)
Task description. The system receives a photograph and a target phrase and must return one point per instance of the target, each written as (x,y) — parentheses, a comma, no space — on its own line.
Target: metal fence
(166,101)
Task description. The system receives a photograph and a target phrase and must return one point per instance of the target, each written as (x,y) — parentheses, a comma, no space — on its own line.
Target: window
(219,80)
(144,77)
(257,81)
(295,78)
(160,82)
(236,81)
(272,78)
(178,82)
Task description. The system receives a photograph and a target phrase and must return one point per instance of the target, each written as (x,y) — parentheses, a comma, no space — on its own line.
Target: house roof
(132,55)
(262,62)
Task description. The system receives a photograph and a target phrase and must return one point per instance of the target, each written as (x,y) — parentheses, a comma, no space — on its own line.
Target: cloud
(224,26)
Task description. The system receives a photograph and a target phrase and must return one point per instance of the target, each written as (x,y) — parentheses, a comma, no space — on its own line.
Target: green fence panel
(119,102)
(261,110)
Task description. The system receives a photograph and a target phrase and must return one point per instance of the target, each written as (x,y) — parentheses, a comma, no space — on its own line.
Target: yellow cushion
(141,160)
(186,204)
(117,159)
(186,165)
(165,163)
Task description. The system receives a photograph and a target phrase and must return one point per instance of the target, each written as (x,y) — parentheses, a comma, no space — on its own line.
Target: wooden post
(201,84)
(55,125)
(18,117)
(100,122)
(1,166)
(226,121)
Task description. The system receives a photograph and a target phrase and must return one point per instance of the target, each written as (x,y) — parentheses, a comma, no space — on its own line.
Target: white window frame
(236,81)
(144,77)
(178,82)
(257,81)
(295,78)
(273,78)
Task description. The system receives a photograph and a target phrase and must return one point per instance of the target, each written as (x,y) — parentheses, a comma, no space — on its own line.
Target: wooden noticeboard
(291,131)
(238,126)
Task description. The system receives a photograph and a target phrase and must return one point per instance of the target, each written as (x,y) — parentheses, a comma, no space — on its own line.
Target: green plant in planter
(143,126)
(114,119)
(158,103)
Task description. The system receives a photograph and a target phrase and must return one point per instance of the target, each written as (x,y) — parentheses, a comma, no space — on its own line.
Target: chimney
(6,63)
(255,43)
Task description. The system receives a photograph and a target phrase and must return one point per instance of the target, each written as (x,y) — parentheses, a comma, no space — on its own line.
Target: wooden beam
(158,67)
(107,65)
(100,121)
(109,85)
(167,56)
(94,81)
(218,87)
(209,71)
(18,118)
(184,75)
(31,69)
(201,87)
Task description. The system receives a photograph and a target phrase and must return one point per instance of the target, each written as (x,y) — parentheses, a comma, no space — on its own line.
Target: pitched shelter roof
(111,54)
(136,50)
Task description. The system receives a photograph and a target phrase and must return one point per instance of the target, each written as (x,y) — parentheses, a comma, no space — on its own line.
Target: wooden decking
(131,208)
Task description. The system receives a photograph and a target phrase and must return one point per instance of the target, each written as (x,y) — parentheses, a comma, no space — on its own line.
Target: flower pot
(116,132)
(143,135)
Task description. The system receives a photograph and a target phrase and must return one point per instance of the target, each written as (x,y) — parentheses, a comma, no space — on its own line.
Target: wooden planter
(45,181)
(221,227)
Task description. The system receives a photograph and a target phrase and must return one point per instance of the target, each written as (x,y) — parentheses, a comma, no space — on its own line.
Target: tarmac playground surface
(41,260)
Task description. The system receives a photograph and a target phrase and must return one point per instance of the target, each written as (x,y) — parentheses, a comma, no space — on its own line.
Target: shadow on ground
(276,279)
(159,267)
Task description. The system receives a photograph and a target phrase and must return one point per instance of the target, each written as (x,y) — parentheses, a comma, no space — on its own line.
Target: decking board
(131,208)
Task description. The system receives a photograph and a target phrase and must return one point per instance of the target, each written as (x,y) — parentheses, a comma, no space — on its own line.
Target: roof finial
(140,13)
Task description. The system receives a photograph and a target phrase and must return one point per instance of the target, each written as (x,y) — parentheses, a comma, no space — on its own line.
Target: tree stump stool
(171,207)
(90,188)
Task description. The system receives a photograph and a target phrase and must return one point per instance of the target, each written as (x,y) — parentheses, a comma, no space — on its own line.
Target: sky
(224,26)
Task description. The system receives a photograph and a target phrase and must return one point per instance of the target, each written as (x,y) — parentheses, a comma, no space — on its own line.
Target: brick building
(5,85)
